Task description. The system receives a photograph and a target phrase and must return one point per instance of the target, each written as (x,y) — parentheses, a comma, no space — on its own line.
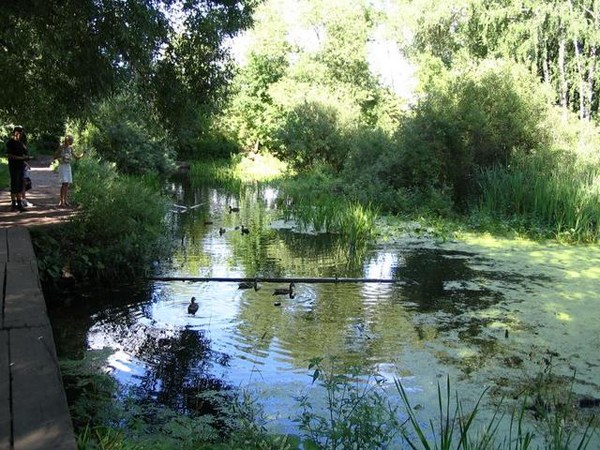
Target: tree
(558,41)
(58,57)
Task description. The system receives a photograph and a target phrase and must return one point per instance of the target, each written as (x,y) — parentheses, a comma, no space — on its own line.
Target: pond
(487,313)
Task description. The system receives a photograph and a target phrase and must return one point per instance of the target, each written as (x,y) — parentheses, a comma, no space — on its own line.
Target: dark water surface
(445,315)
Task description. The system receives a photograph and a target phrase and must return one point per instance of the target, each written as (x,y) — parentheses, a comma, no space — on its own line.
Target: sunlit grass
(262,167)
(4,178)
(555,196)
(238,170)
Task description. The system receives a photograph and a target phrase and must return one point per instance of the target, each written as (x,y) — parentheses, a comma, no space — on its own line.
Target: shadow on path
(43,196)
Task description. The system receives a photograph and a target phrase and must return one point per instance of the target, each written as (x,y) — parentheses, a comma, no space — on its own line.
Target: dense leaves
(58,57)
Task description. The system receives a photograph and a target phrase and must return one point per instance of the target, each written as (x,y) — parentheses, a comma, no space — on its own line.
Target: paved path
(34,413)
(43,195)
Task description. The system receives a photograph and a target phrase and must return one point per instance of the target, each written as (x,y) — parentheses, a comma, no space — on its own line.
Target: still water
(486,314)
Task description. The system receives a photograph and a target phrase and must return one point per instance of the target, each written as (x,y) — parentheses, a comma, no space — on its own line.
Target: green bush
(474,119)
(125,131)
(311,134)
(118,232)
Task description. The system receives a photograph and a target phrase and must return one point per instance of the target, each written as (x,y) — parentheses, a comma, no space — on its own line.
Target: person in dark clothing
(16,152)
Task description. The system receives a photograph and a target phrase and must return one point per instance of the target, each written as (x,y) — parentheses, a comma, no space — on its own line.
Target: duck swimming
(249,285)
(193,306)
(285,291)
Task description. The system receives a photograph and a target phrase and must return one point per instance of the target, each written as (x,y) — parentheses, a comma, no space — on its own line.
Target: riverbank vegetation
(491,126)
(119,232)
(357,413)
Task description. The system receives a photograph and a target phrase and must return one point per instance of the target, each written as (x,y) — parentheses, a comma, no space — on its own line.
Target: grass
(4,176)
(556,194)
(355,413)
(238,169)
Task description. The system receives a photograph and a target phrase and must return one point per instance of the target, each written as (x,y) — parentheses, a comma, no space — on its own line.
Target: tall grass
(555,193)
(237,170)
(353,221)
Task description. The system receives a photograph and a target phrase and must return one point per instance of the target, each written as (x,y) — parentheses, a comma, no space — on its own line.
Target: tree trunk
(564,84)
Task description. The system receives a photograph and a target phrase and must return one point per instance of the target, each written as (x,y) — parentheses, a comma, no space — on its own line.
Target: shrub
(475,119)
(312,134)
(125,131)
(118,232)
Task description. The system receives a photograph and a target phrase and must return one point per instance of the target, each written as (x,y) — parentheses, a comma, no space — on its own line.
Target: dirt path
(43,196)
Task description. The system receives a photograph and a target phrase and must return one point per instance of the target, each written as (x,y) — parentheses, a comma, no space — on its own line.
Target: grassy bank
(119,230)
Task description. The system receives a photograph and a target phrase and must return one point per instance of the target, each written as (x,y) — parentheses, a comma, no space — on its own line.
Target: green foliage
(70,54)
(117,233)
(125,130)
(4,176)
(356,414)
(551,191)
(454,427)
(312,134)
(252,116)
(476,119)
(304,103)
(238,169)
(557,41)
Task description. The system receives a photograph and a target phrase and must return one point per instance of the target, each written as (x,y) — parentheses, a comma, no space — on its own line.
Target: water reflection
(249,337)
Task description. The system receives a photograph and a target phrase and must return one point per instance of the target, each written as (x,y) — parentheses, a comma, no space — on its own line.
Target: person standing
(65,155)
(26,185)
(16,152)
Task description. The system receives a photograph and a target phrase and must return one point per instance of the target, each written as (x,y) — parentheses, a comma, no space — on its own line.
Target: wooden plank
(5,418)
(20,247)
(40,411)
(3,245)
(2,277)
(24,304)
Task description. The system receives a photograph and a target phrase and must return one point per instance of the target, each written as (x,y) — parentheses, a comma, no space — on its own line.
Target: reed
(558,194)
(353,221)
(455,428)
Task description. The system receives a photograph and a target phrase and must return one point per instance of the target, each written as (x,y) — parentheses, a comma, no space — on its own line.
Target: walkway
(43,195)
(33,408)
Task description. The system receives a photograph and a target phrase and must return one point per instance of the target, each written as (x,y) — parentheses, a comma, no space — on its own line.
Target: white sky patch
(383,54)
(387,61)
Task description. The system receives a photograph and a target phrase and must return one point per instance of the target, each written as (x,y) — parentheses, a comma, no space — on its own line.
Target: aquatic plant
(557,193)
(356,414)
(455,428)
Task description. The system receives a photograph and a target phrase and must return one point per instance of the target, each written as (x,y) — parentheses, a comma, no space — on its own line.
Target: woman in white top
(64,155)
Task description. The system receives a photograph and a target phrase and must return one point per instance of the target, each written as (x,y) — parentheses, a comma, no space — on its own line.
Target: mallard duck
(233,209)
(245,230)
(193,306)
(285,291)
(249,285)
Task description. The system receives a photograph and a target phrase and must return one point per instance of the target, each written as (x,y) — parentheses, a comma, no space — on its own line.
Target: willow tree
(558,40)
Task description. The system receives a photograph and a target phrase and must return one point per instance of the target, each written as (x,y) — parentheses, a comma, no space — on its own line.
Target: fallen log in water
(286,279)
